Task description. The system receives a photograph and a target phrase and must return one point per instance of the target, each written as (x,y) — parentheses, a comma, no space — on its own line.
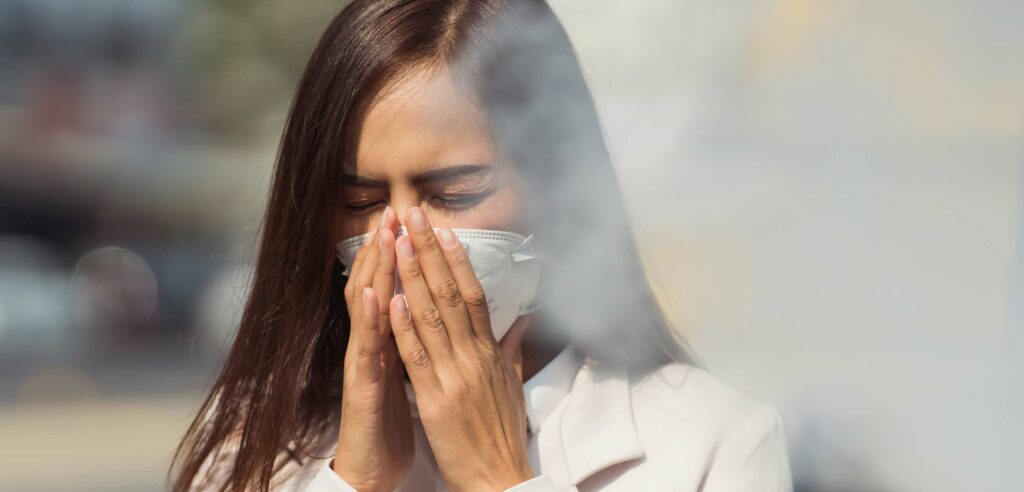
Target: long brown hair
(275,394)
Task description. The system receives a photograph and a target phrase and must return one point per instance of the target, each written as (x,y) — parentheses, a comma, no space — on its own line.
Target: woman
(450,151)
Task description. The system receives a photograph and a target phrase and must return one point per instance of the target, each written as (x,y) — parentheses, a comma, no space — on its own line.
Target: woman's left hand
(469,389)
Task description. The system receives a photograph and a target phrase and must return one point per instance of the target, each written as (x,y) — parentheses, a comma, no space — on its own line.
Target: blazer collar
(597,426)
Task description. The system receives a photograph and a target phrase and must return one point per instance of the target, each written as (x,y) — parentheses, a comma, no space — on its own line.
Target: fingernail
(373,234)
(446,238)
(416,218)
(403,305)
(405,247)
(385,216)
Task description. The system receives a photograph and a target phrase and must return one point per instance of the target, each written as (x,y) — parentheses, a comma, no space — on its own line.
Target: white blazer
(677,428)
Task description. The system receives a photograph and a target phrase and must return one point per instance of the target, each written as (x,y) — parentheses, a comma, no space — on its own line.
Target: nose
(401,203)
(400,211)
(434,218)
(401,200)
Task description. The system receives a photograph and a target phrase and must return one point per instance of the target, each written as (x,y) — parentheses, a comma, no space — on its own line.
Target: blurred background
(829,196)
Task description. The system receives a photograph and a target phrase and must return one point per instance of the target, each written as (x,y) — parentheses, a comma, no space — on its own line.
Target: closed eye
(460,201)
(357,208)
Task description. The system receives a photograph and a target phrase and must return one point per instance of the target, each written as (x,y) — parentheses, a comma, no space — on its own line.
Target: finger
(444,289)
(352,288)
(473,296)
(415,357)
(426,317)
(364,278)
(512,345)
(384,276)
(389,219)
(357,262)
(391,358)
(350,284)
(353,291)
(370,342)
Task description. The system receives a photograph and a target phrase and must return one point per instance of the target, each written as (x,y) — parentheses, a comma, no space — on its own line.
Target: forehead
(420,122)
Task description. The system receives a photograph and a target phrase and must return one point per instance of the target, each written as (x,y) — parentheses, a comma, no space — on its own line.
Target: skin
(425,159)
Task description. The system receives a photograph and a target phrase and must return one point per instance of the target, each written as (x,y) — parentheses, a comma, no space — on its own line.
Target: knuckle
(413,273)
(428,240)
(488,355)
(431,318)
(434,410)
(465,390)
(384,272)
(448,293)
(384,306)
(475,298)
(402,325)
(353,286)
(418,358)
(484,368)
(461,260)
(363,352)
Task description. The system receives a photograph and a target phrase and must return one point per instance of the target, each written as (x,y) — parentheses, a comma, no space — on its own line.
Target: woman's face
(425,144)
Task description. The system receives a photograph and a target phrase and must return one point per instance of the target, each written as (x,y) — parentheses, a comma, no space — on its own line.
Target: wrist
(353,479)
(520,474)
(524,474)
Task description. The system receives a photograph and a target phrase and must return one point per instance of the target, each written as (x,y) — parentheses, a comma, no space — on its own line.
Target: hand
(375,439)
(469,390)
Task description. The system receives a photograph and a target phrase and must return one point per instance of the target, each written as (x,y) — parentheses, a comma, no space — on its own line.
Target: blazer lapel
(597,427)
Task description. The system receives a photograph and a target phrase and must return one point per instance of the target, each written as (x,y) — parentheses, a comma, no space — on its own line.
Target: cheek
(504,211)
(347,225)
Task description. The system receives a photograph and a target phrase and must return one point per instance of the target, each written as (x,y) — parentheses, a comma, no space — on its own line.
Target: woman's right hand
(375,440)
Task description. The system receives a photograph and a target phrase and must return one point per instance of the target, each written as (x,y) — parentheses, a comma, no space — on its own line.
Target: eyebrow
(447,173)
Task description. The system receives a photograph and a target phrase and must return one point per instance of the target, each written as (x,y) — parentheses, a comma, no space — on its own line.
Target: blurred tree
(246,57)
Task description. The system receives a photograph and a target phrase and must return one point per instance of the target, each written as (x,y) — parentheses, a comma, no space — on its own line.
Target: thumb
(512,345)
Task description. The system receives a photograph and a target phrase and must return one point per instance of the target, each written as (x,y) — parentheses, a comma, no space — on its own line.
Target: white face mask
(505,262)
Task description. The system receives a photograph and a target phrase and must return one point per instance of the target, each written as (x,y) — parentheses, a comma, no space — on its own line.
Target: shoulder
(680,405)
(689,391)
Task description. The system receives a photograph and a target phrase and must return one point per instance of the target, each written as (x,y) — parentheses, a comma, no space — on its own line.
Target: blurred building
(828,195)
